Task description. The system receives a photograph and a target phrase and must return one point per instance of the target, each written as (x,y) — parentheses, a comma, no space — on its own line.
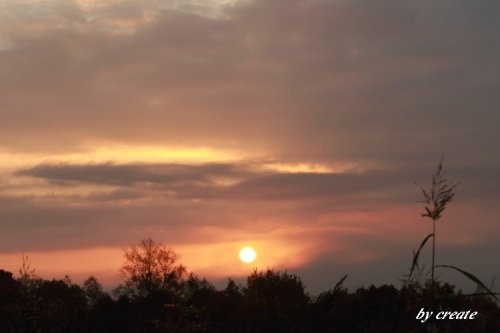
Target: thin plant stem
(433,248)
(433,258)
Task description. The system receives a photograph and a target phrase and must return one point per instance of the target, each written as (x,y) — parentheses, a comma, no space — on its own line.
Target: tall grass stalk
(435,200)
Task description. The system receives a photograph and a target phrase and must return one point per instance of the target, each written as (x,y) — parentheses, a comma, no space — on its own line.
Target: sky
(297,127)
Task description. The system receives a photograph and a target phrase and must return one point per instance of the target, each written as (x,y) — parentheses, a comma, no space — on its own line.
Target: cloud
(127,175)
(226,181)
(317,79)
(256,181)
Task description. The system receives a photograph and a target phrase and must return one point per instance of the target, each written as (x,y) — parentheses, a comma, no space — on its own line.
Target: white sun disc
(247,254)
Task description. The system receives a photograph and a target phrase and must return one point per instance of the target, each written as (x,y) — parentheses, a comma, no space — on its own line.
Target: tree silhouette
(276,302)
(271,301)
(93,290)
(150,267)
(9,294)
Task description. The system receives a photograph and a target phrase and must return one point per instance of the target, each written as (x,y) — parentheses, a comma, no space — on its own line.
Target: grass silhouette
(436,199)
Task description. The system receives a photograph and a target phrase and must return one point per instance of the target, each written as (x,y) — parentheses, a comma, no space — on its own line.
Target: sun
(247,255)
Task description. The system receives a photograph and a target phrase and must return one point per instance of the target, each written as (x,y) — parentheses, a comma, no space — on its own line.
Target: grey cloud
(129,174)
(251,182)
(199,181)
(319,80)
(382,187)
(304,186)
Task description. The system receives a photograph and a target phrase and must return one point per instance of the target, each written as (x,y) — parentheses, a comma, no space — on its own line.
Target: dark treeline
(159,296)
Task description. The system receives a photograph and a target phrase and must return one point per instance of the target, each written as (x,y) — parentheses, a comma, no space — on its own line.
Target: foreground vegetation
(159,296)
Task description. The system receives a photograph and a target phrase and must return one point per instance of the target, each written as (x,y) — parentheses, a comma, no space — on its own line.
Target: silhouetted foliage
(9,295)
(270,301)
(61,306)
(151,267)
(435,200)
(322,314)
(276,302)
(93,291)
